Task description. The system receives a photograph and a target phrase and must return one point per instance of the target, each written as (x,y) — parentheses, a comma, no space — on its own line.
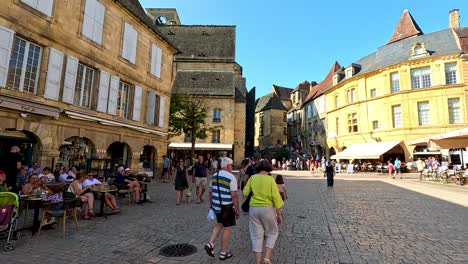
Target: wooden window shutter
(6,44)
(137,103)
(162,111)
(103,92)
(150,108)
(54,74)
(70,80)
(113,95)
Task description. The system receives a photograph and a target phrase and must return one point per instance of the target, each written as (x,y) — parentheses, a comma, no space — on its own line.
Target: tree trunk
(192,150)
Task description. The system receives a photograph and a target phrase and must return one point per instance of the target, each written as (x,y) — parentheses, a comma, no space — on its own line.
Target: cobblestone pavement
(362,219)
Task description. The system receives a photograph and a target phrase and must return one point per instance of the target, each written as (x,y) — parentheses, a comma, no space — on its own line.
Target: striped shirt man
(227,184)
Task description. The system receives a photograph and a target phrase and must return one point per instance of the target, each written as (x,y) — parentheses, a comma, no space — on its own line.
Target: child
(281,187)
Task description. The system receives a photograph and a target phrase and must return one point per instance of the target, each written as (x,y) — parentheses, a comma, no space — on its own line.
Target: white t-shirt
(49,178)
(90,182)
(227,184)
(63,178)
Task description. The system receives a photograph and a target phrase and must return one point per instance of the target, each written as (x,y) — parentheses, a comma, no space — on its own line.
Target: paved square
(357,221)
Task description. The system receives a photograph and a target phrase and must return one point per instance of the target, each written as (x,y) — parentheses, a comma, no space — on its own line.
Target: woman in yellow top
(265,211)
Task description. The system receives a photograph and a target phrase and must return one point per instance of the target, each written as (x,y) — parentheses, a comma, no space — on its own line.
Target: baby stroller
(8,218)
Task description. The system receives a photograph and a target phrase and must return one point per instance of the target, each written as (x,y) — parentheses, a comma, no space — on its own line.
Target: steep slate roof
(137,10)
(405,28)
(323,85)
(268,102)
(197,42)
(305,85)
(282,92)
(241,91)
(437,43)
(463,36)
(205,83)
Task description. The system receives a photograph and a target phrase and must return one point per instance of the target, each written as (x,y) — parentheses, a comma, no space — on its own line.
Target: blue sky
(285,42)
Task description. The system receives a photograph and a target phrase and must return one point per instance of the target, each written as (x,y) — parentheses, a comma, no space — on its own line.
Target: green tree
(187,115)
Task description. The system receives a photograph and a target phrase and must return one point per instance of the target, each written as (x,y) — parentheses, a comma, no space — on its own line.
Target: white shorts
(200,181)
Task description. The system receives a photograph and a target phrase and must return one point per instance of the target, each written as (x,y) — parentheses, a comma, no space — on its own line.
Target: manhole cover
(178,250)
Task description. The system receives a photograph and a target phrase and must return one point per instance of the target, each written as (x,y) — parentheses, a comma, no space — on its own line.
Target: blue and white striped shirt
(227,184)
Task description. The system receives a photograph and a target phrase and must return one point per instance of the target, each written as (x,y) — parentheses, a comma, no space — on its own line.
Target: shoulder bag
(246,204)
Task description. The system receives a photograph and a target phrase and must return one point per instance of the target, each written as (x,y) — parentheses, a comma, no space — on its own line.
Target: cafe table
(145,190)
(103,192)
(35,203)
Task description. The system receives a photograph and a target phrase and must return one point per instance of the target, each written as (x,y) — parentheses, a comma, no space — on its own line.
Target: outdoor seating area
(50,214)
(446,176)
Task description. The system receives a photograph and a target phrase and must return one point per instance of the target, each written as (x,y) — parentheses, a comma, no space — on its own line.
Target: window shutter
(98,22)
(6,43)
(156,56)
(129,43)
(70,80)
(137,104)
(158,62)
(103,92)
(45,6)
(88,18)
(153,59)
(54,74)
(162,111)
(150,108)
(113,95)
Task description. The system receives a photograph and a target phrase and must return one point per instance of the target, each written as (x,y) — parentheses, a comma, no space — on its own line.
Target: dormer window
(335,79)
(349,73)
(418,49)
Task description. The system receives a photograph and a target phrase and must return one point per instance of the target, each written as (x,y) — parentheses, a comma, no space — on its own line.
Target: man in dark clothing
(330,172)
(58,168)
(251,169)
(200,171)
(12,165)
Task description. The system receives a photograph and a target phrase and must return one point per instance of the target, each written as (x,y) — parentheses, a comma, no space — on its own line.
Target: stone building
(314,116)
(295,113)
(84,82)
(411,88)
(271,118)
(206,68)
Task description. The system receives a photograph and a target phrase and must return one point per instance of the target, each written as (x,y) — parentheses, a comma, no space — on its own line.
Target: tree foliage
(187,116)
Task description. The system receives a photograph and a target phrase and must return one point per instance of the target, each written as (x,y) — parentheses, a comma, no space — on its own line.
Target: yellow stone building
(84,82)
(412,87)
(206,68)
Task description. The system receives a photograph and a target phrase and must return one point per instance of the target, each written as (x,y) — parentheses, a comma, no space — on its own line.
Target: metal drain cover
(178,250)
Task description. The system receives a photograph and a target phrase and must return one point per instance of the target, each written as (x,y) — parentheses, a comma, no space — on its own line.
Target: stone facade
(116,90)
(206,68)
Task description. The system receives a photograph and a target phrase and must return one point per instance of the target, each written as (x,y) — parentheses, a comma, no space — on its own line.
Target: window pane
(454,110)
(397,121)
(122,100)
(395,82)
(24,66)
(423,113)
(421,77)
(451,73)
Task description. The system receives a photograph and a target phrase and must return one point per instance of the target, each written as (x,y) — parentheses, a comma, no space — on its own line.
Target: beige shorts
(200,181)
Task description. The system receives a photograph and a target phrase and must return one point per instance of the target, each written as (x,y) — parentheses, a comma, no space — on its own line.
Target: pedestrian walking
(330,172)
(397,167)
(200,171)
(420,165)
(281,187)
(265,212)
(390,168)
(181,180)
(166,165)
(224,202)
(242,179)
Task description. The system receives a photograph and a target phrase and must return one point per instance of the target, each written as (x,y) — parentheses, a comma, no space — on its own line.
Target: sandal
(86,217)
(209,249)
(266,261)
(225,255)
(91,213)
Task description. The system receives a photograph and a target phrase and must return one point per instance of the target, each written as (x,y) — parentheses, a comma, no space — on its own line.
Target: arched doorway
(78,152)
(148,160)
(120,154)
(29,144)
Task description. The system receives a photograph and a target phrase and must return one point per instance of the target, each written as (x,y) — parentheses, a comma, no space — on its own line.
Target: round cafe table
(103,199)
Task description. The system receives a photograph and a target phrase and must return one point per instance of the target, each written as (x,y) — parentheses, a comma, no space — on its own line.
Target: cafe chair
(60,210)
(122,190)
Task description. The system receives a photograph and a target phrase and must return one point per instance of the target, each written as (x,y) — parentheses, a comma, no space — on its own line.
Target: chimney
(454,19)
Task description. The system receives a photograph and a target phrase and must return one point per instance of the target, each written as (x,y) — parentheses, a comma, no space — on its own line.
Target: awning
(371,150)
(206,146)
(452,139)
